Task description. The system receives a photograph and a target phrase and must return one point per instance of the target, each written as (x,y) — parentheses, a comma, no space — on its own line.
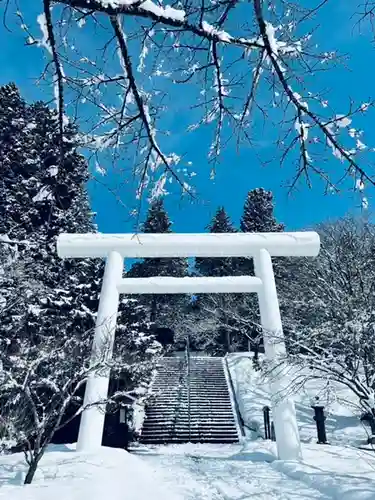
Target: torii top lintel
(140,245)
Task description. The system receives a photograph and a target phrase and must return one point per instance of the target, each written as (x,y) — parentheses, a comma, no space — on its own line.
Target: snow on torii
(259,246)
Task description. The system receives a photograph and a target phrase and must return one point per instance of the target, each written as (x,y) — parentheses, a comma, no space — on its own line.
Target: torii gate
(259,246)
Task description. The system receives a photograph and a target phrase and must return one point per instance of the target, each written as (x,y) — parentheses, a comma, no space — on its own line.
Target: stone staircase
(212,416)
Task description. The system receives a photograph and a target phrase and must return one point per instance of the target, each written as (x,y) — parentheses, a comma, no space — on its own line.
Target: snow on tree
(164,310)
(44,300)
(237,316)
(42,384)
(211,332)
(234,64)
(258,213)
(38,200)
(330,310)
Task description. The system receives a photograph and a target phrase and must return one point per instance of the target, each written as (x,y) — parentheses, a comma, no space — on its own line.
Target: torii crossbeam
(259,246)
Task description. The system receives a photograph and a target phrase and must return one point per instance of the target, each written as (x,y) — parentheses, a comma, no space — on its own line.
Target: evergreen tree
(41,196)
(212,266)
(45,300)
(258,217)
(217,337)
(165,311)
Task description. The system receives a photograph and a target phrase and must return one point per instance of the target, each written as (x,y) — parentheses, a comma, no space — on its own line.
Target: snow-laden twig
(141,105)
(273,55)
(49,41)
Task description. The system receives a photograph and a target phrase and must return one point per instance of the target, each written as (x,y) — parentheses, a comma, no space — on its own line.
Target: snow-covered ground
(193,472)
(245,471)
(342,409)
(250,470)
(65,474)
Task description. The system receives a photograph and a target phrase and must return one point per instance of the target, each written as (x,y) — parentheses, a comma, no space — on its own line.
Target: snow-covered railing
(239,419)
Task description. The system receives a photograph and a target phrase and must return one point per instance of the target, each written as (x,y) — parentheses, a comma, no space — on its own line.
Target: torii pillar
(259,246)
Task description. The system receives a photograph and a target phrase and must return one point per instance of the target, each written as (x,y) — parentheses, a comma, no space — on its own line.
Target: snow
(33,309)
(270,32)
(188,245)
(53,170)
(360,185)
(360,145)
(302,129)
(44,42)
(211,30)
(158,189)
(43,194)
(101,170)
(66,474)
(5,238)
(342,121)
(31,126)
(244,472)
(149,6)
(341,407)
(190,471)
(168,11)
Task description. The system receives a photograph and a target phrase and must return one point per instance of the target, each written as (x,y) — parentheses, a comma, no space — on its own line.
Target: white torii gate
(259,246)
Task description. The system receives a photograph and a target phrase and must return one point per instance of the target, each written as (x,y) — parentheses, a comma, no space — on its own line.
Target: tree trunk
(229,346)
(371,421)
(32,469)
(256,357)
(154,303)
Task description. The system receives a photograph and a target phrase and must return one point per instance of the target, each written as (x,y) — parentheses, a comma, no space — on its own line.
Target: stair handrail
(187,350)
(241,422)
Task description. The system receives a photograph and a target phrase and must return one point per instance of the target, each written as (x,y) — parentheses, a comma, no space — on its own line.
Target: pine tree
(165,311)
(212,266)
(217,339)
(44,299)
(39,198)
(42,295)
(258,216)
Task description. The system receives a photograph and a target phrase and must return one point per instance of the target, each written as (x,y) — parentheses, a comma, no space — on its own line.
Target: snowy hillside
(342,410)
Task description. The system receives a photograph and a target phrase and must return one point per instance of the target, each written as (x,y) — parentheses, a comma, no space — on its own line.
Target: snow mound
(66,474)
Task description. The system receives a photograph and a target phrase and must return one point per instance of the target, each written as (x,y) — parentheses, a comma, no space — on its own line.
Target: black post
(273,434)
(267,425)
(320,423)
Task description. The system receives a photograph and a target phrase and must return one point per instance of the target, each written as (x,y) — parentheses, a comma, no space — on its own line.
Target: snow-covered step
(206,396)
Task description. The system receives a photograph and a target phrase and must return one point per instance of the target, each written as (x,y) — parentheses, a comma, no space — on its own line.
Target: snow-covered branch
(272,48)
(49,41)
(192,61)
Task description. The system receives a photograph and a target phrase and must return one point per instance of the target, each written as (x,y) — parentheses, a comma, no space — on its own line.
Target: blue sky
(236,173)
